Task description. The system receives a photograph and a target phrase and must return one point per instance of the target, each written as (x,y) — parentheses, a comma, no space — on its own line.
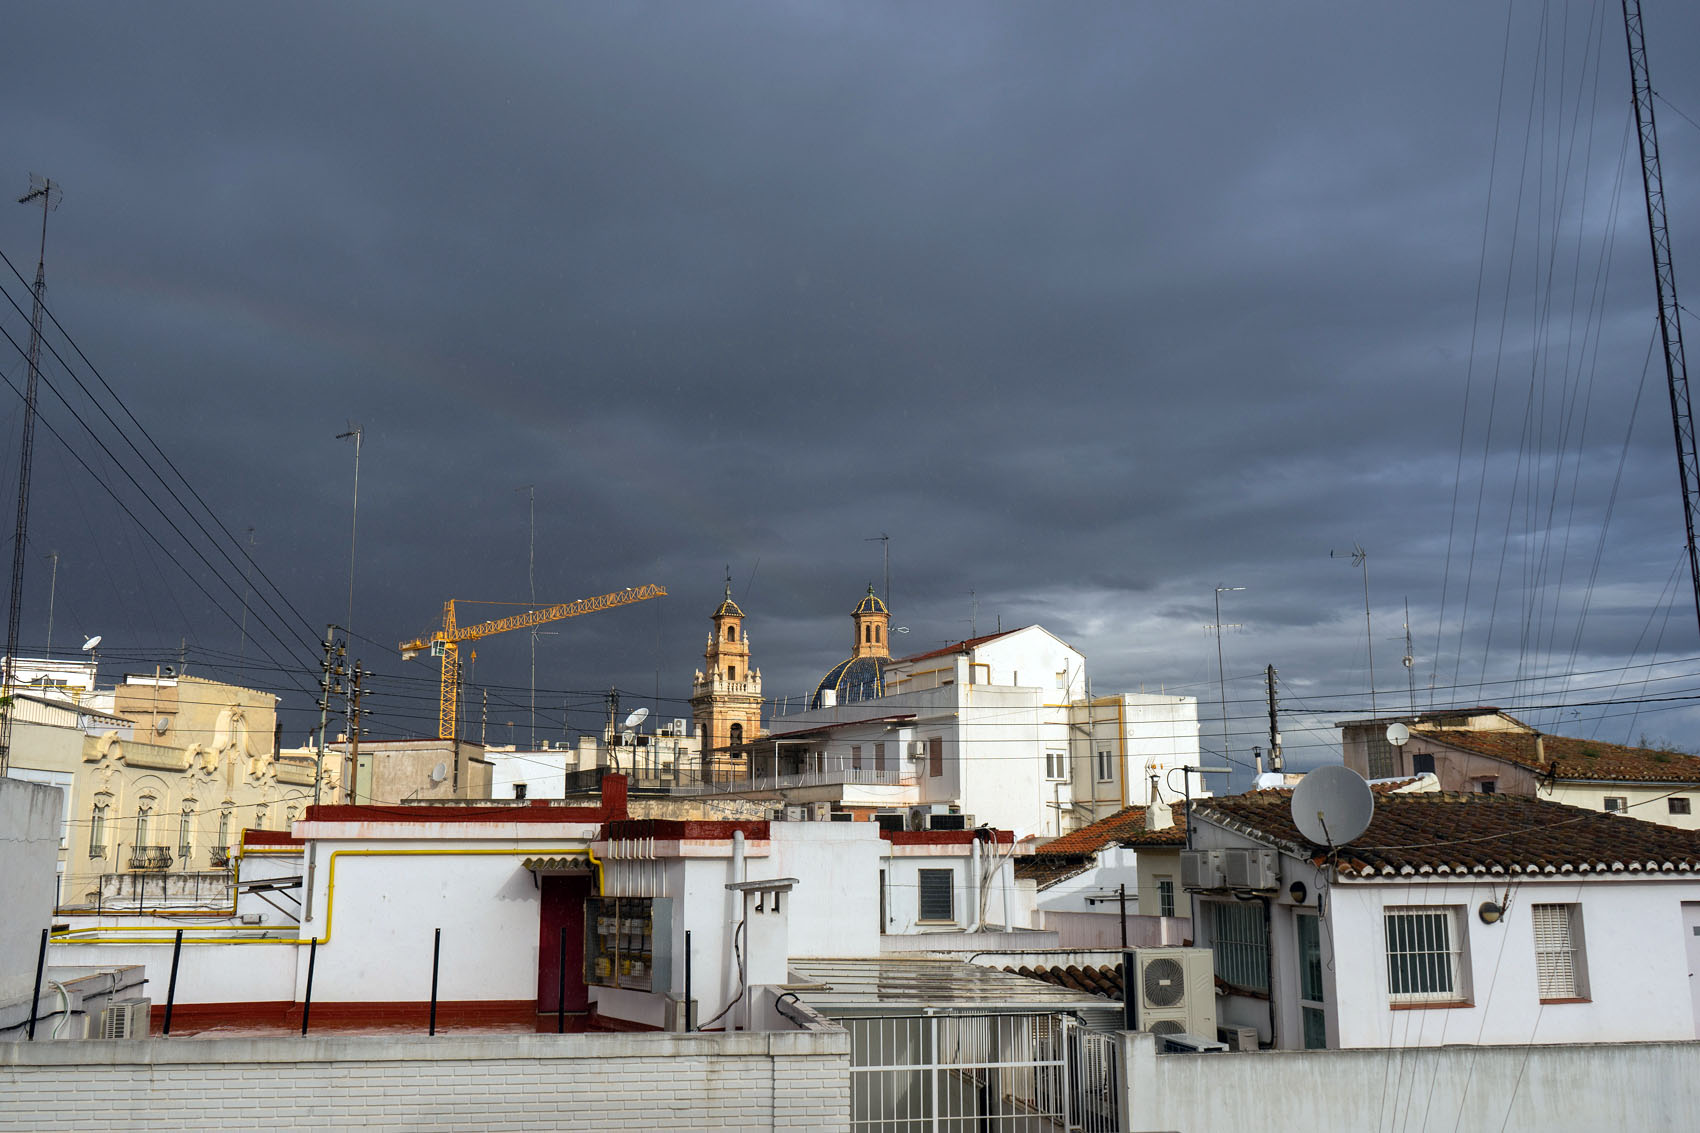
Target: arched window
(867,633)
(731,633)
(185,827)
(224,829)
(97,831)
(144,823)
(876,635)
(731,672)
(737,734)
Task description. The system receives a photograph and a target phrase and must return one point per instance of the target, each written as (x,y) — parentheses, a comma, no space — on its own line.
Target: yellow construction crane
(445,643)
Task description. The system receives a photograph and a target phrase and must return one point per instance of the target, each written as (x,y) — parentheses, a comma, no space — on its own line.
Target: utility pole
(330,684)
(1360,558)
(351,762)
(1409,660)
(1275,762)
(47,192)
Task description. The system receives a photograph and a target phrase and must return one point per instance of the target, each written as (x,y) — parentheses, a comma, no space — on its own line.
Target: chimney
(1158,816)
(1540,750)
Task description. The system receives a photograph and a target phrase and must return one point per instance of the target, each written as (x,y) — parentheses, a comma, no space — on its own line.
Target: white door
(1691,934)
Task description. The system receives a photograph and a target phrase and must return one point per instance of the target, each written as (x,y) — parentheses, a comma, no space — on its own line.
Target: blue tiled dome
(870,605)
(860,678)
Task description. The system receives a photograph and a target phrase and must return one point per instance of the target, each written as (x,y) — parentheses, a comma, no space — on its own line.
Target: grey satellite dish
(88,646)
(439,772)
(636,718)
(1332,805)
(1398,735)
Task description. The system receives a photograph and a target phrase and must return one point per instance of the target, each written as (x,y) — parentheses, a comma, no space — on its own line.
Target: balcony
(812,777)
(220,857)
(150,858)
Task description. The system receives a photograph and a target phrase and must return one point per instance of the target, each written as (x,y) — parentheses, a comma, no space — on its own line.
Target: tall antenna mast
(1664,283)
(1221,674)
(530,491)
(884,539)
(1360,558)
(47,192)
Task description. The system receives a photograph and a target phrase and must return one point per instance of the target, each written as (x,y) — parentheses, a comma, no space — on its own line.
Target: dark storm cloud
(1091,308)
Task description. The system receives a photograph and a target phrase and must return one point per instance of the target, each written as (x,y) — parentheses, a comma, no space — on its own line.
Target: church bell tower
(726,692)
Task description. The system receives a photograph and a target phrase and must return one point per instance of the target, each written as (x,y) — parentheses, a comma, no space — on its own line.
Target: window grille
(1678,805)
(1558,959)
(1423,960)
(1240,944)
(938,899)
(1380,754)
(1166,896)
(1616,804)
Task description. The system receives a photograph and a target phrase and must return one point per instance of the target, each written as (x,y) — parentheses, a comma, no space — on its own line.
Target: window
(519,790)
(935,756)
(1062,679)
(1558,952)
(1056,765)
(1106,767)
(879,757)
(144,824)
(185,824)
(867,635)
(1616,804)
(224,828)
(1424,962)
(1380,757)
(289,816)
(1678,805)
(876,635)
(260,817)
(938,901)
(736,735)
(1240,944)
(731,672)
(1165,896)
(97,832)
(731,633)
(1422,763)
(1487,786)
(1313,1016)
(855,757)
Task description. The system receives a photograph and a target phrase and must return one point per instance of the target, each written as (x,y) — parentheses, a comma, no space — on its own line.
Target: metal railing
(1002,1073)
(150,857)
(824,777)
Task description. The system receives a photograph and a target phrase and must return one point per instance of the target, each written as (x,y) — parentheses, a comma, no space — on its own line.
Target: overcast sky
(1090,307)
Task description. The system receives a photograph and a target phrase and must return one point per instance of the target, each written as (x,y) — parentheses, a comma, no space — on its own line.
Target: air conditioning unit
(126,1019)
(1174,991)
(917,749)
(796,814)
(842,816)
(1257,870)
(890,820)
(820,812)
(678,728)
(948,822)
(1190,1044)
(1238,1038)
(1202,869)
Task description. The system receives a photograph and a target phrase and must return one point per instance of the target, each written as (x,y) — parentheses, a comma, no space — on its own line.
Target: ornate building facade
(726,692)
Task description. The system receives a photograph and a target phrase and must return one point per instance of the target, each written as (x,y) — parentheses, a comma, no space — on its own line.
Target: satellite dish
(1332,805)
(636,718)
(88,646)
(439,772)
(1398,735)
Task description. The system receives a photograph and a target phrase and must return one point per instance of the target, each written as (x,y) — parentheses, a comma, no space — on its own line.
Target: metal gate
(981,1073)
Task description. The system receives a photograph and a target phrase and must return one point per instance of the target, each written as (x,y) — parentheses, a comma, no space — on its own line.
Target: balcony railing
(97,850)
(814,777)
(220,856)
(150,858)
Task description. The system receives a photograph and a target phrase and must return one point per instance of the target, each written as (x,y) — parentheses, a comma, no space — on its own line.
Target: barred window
(938,899)
(1380,755)
(1165,896)
(1424,961)
(1558,951)
(1241,945)
(1678,804)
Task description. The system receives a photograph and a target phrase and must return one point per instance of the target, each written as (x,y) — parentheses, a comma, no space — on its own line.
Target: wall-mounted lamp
(1490,912)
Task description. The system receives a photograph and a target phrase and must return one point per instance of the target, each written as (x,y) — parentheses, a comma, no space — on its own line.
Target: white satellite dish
(1398,735)
(439,772)
(1332,805)
(636,718)
(88,646)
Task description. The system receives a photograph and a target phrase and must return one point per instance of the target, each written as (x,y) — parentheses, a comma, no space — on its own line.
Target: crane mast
(1664,282)
(446,642)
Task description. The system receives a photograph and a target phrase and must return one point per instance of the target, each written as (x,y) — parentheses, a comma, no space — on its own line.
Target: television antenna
(1332,805)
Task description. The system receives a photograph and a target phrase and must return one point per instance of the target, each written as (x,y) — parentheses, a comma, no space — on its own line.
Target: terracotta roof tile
(1105,980)
(1048,869)
(1123,828)
(1576,758)
(1453,833)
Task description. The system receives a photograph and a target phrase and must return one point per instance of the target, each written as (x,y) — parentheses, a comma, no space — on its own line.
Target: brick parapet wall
(773,1080)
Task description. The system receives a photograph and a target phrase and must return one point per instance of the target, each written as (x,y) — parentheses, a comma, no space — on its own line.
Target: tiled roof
(1123,828)
(1105,981)
(962,646)
(1048,869)
(1575,758)
(1442,833)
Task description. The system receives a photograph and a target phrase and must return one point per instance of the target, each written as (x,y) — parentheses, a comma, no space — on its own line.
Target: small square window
(1056,765)
(1487,786)
(1425,955)
(1678,804)
(1616,804)
(519,790)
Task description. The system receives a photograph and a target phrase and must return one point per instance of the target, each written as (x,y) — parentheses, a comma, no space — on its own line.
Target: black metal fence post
(436,954)
(690,1022)
(171,987)
(40,970)
(307,999)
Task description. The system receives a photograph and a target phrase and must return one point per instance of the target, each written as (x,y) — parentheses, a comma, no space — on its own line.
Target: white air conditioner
(126,1019)
(917,749)
(937,821)
(1257,870)
(1238,1038)
(820,812)
(1174,991)
(678,728)
(796,814)
(1202,869)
